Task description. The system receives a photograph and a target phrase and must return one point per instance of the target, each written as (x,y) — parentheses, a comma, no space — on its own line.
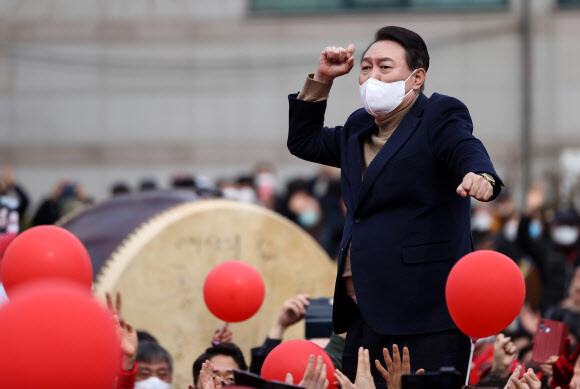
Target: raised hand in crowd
(504,353)
(363,379)
(563,367)
(529,381)
(314,375)
(529,318)
(334,62)
(7,178)
(395,368)
(206,377)
(535,198)
(223,335)
(126,333)
(292,312)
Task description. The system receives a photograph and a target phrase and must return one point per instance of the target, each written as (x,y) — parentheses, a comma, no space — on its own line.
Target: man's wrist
(128,363)
(276,331)
(322,78)
(488,177)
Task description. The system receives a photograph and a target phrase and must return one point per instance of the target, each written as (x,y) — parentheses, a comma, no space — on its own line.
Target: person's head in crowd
(507,210)
(265,184)
(154,365)
(564,230)
(482,219)
(228,189)
(119,188)
(70,196)
(147,184)
(225,358)
(183,181)
(306,209)
(483,224)
(246,189)
(144,336)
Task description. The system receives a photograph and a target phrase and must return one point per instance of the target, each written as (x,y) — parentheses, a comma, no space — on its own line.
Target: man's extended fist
(334,62)
(475,186)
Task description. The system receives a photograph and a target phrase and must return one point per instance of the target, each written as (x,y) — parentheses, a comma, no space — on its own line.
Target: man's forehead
(157,365)
(224,363)
(385,50)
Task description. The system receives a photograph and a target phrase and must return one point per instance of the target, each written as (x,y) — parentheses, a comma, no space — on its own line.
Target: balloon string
(473,340)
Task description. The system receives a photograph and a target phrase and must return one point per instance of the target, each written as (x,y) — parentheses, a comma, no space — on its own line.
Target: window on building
(338,5)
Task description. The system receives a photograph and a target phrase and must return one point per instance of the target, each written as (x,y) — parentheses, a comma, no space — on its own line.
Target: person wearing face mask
(154,367)
(409,165)
(555,251)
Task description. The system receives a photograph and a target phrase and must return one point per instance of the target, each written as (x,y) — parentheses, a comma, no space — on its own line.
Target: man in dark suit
(409,165)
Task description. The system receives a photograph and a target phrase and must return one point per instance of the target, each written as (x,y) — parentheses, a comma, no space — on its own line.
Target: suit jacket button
(357,220)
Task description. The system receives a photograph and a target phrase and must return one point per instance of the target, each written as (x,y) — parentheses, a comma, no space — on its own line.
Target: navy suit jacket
(405,223)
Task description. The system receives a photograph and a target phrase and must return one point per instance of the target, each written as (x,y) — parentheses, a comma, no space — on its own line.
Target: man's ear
(419,78)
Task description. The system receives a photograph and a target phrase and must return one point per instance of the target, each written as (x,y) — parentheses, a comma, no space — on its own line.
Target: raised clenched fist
(334,62)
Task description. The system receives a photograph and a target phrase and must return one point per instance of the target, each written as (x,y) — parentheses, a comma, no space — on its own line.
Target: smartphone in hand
(550,339)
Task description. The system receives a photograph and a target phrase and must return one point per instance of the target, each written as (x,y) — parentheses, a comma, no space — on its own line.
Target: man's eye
(366,67)
(230,380)
(385,67)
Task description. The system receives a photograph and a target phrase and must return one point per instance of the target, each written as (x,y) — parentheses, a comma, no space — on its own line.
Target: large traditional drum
(159,266)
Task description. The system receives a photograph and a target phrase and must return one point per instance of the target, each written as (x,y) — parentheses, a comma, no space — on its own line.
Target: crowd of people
(542,237)
(313,202)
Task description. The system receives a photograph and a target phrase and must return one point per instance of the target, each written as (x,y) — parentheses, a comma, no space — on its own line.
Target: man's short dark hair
(228,349)
(152,352)
(416,53)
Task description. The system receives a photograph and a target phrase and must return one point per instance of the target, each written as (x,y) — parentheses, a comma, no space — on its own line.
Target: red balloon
(292,357)
(485,292)
(54,335)
(46,252)
(5,240)
(233,291)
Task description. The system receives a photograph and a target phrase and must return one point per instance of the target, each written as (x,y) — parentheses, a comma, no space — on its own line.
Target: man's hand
(475,186)
(223,335)
(314,376)
(563,367)
(504,353)
(395,369)
(7,179)
(126,333)
(206,378)
(292,312)
(364,378)
(334,62)
(535,198)
(529,381)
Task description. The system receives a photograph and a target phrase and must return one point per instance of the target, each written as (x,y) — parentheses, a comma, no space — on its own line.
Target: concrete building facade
(102,91)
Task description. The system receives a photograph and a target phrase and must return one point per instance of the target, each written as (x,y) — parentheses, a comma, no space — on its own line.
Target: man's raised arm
(307,137)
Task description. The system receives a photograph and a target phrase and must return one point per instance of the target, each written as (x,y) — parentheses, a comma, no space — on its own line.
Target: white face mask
(510,230)
(152,383)
(565,235)
(481,222)
(381,98)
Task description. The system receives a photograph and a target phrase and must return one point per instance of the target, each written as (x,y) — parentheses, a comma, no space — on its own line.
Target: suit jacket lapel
(395,142)
(355,160)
